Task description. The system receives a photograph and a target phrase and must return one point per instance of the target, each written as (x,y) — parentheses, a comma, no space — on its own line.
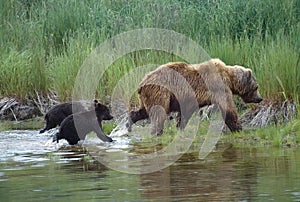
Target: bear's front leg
(231,120)
(178,120)
(181,122)
(49,125)
(229,112)
(103,137)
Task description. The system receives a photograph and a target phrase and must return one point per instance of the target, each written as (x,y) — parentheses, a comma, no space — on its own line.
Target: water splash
(214,132)
(120,141)
(20,143)
(121,128)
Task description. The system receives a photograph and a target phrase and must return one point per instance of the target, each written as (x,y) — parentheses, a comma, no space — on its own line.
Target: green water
(32,170)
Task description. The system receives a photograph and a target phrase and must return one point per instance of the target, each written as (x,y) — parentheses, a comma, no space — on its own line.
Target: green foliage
(30,124)
(108,126)
(64,68)
(44,43)
(276,63)
(283,135)
(22,73)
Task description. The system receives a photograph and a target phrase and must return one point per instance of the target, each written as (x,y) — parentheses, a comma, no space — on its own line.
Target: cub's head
(244,84)
(102,111)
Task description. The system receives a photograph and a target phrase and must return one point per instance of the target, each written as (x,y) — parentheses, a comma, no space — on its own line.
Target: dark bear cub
(59,112)
(76,126)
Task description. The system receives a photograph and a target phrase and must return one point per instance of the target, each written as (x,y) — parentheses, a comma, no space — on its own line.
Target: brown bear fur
(183,88)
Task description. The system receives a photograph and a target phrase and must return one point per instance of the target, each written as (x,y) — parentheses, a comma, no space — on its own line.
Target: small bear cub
(76,126)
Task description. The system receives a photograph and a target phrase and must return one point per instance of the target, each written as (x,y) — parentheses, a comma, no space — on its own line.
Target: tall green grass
(44,43)
(22,74)
(276,63)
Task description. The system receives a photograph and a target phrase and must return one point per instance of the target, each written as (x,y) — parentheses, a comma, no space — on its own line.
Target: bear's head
(102,111)
(245,85)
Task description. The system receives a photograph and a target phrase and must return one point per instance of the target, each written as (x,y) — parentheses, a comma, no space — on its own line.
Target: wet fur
(85,122)
(59,112)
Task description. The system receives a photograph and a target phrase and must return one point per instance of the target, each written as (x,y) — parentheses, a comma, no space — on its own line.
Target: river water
(32,168)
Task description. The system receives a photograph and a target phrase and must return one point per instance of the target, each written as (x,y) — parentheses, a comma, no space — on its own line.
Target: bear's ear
(248,74)
(247,77)
(100,106)
(95,103)
(218,62)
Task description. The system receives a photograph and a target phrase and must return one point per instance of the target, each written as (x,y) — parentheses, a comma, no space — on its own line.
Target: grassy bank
(44,43)
(276,135)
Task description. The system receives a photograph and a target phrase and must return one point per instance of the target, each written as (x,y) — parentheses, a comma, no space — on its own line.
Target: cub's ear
(100,106)
(95,103)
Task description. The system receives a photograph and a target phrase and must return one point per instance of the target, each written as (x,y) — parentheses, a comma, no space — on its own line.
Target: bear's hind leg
(50,123)
(157,116)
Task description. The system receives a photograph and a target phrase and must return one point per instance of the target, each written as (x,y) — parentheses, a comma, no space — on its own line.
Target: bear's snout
(253,97)
(108,117)
(258,100)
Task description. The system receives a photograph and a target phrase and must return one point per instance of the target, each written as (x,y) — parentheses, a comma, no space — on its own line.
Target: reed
(44,43)
(275,63)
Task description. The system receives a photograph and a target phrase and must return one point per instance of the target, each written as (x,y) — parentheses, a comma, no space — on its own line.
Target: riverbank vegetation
(43,44)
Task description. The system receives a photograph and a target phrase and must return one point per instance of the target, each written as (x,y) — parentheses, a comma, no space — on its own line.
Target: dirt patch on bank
(259,115)
(13,109)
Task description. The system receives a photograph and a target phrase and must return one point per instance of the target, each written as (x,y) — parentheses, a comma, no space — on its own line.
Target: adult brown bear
(183,88)
(76,126)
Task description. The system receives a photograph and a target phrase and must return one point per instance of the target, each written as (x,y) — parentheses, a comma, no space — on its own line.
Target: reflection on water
(33,170)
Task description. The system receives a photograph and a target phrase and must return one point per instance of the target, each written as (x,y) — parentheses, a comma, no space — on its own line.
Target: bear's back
(197,75)
(164,72)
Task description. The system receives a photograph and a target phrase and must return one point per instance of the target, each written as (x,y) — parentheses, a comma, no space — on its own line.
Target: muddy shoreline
(13,110)
(259,115)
